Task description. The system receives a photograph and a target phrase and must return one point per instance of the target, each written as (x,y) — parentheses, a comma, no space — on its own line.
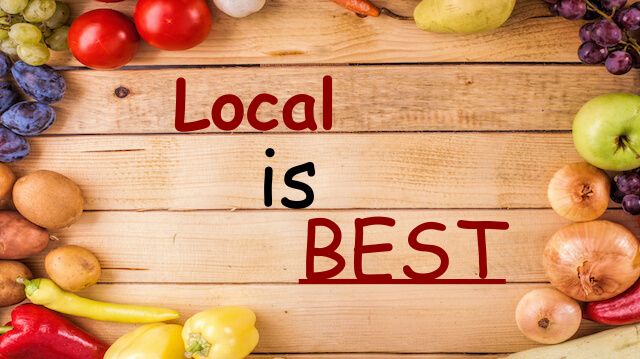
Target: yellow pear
(462,16)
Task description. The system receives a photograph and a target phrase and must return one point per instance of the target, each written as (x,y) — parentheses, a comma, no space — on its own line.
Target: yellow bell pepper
(151,341)
(221,333)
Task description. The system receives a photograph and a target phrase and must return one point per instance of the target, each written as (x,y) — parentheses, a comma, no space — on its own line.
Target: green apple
(606,131)
(462,16)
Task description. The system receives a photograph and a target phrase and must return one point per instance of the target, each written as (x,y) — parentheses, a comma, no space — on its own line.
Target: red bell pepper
(619,310)
(37,332)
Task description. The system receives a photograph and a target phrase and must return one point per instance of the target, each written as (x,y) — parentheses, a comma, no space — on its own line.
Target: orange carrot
(366,8)
(360,7)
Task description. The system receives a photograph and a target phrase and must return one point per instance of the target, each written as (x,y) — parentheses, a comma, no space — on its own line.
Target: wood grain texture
(428,170)
(422,98)
(345,318)
(291,31)
(374,356)
(410,82)
(270,246)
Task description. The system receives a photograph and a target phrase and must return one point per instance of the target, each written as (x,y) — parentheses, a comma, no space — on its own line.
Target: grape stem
(630,40)
(6,21)
(598,11)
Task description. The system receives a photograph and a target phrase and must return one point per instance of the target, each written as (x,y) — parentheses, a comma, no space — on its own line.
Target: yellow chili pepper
(151,341)
(45,292)
(221,333)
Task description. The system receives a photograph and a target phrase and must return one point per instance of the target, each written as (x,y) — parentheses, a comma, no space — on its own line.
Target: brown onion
(579,192)
(547,316)
(592,261)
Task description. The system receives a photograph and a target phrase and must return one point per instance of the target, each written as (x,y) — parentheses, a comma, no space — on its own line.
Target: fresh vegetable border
(605,254)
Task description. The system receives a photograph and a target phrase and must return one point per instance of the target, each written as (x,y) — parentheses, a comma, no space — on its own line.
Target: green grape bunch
(30,29)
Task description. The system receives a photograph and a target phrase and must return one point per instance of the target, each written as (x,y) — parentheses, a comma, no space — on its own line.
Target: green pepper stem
(192,349)
(30,286)
(5,329)
(197,345)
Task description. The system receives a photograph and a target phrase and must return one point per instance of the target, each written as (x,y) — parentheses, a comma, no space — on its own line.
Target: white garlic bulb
(239,8)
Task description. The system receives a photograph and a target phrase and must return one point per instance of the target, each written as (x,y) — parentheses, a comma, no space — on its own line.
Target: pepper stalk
(30,286)
(6,329)
(197,345)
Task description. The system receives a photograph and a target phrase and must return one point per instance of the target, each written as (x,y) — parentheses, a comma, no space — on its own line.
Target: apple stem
(623,141)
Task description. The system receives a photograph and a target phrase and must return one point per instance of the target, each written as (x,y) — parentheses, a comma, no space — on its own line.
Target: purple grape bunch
(609,36)
(625,189)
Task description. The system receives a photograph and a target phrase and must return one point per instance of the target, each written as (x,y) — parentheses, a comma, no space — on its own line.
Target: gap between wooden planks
(351,319)
(270,246)
(416,170)
(422,98)
(293,31)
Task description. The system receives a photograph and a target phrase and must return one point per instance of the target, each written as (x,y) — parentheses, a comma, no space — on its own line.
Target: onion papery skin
(579,192)
(592,261)
(548,316)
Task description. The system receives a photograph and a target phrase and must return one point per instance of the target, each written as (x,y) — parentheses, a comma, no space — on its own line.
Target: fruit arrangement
(43,86)
(44,200)
(106,39)
(605,134)
(609,36)
(592,261)
(29,29)
(444,16)
(47,200)
(56,204)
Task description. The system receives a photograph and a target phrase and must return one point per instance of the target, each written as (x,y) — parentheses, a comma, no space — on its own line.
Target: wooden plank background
(412,170)
(272,249)
(427,97)
(292,31)
(472,128)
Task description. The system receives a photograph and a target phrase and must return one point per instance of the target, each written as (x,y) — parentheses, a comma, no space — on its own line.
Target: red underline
(403,281)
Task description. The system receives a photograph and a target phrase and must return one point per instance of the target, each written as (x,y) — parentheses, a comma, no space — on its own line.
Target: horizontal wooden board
(270,246)
(290,31)
(374,356)
(422,98)
(346,318)
(426,170)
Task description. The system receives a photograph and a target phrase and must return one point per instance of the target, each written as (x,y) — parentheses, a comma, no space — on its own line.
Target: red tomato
(173,24)
(103,39)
